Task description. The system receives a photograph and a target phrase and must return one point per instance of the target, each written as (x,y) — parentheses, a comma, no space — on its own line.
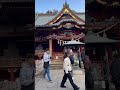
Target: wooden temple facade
(17,40)
(54,30)
(103,19)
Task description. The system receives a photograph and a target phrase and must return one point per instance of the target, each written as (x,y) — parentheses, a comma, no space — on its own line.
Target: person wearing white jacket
(67,70)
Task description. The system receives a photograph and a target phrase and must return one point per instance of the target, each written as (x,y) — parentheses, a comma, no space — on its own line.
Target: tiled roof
(42,19)
(93,38)
(81,16)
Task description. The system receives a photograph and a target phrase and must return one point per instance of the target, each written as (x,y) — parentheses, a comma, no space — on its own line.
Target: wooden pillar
(50,46)
(12,76)
(108,69)
(118,46)
(53,48)
(109,54)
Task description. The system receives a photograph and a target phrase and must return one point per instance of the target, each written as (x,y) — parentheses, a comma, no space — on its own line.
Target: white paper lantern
(58,42)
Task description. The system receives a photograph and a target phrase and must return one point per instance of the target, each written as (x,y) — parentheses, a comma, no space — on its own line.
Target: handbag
(70,70)
(46,64)
(71,73)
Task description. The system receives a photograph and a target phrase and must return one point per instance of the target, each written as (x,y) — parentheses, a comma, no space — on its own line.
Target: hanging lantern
(94,52)
(66,41)
(58,42)
(63,43)
(77,40)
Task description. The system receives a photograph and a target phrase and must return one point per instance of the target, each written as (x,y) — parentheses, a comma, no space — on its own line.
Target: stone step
(56,62)
(56,65)
(58,57)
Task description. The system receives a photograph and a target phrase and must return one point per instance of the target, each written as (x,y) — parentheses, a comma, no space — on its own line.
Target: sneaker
(63,86)
(78,88)
(51,81)
(73,78)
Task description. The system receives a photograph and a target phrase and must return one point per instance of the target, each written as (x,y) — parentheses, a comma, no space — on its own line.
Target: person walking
(79,58)
(65,50)
(46,60)
(67,73)
(71,57)
(115,71)
(83,54)
(27,74)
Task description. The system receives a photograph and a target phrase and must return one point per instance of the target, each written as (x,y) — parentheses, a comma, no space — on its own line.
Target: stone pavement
(56,76)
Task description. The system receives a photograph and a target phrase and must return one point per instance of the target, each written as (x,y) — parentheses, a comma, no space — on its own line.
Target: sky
(41,6)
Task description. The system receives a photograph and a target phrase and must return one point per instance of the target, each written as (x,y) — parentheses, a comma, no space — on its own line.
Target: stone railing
(9,85)
(39,66)
(10,61)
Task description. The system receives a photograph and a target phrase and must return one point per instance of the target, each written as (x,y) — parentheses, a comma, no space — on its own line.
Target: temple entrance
(57,51)
(57,47)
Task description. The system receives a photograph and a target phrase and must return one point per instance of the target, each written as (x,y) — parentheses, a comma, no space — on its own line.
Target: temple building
(54,30)
(16,36)
(102,38)
(98,29)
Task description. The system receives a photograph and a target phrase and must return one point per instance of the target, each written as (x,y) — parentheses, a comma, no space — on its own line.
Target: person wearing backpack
(46,60)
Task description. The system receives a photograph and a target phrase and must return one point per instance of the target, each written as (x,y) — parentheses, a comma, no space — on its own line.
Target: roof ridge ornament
(66,4)
(104,34)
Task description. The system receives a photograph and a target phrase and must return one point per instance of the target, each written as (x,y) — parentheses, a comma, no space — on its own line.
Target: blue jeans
(47,71)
